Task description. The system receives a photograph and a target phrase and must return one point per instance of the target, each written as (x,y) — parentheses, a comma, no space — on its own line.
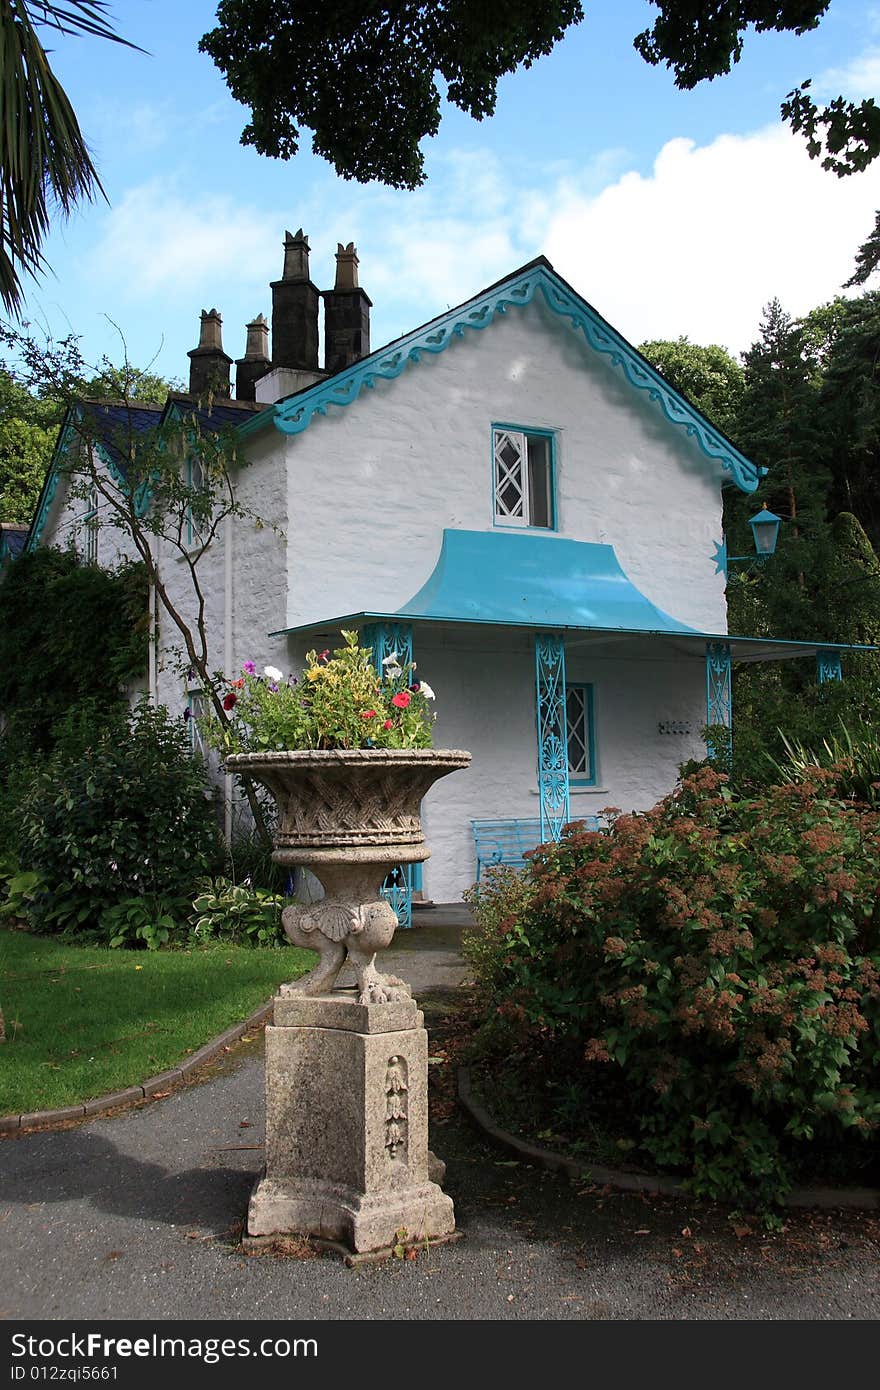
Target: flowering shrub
(724,956)
(339,701)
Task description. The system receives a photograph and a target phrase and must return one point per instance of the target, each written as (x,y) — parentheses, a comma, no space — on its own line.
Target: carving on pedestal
(396,1117)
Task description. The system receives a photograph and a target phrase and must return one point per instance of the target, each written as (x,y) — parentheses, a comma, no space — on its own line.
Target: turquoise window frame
(535,432)
(578,779)
(192,536)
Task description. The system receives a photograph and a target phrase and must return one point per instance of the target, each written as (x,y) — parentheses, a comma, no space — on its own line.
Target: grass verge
(82,1021)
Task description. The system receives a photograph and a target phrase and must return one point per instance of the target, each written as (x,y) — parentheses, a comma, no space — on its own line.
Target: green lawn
(84,1020)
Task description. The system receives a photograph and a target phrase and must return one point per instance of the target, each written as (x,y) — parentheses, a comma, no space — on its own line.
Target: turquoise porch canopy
(524,579)
(527,579)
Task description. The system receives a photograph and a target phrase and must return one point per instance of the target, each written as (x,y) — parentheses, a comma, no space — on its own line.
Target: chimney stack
(208,363)
(346,314)
(255,363)
(295,309)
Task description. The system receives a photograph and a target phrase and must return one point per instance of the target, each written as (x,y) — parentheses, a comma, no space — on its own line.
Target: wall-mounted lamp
(765,529)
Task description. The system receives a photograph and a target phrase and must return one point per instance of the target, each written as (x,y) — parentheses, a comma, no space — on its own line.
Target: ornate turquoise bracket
(393,640)
(828,667)
(388,640)
(719,689)
(553,785)
(296,413)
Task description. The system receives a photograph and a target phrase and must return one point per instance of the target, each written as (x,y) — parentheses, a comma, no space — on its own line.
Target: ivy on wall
(72,638)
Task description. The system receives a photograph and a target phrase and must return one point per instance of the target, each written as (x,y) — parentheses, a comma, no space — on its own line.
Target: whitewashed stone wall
(372,486)
(486,703)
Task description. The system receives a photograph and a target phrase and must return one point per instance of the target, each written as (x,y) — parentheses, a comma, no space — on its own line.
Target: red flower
(237,685)
(230,700)
(368,714)
(388,724)
(322,656)
(401,699)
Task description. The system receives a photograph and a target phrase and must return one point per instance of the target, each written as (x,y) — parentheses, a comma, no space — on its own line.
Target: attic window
(523,477)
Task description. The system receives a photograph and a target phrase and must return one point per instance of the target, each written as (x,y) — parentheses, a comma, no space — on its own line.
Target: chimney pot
(346,267)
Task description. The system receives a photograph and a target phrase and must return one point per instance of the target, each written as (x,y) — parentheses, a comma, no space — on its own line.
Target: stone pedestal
(347,1125)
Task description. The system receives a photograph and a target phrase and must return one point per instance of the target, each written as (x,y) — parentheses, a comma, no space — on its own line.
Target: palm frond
(44,159)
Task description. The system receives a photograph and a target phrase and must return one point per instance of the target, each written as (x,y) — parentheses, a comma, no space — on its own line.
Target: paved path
(137,1215)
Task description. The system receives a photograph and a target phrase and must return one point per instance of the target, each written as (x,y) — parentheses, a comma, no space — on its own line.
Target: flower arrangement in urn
(346,752)
(339,701)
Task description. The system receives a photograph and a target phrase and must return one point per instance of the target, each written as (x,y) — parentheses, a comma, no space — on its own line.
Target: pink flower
(401,699)
(322,656)
(230,700)
(249,668)
(388,724)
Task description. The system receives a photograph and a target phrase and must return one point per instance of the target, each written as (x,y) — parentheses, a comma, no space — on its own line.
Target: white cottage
(512,495)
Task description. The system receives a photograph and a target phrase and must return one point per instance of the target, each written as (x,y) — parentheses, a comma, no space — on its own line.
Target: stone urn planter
(350,816)
(347,1157)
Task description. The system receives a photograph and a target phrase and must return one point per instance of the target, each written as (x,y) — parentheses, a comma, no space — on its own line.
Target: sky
(673,213)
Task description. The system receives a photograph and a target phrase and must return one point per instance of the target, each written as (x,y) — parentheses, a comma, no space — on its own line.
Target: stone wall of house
(371,486)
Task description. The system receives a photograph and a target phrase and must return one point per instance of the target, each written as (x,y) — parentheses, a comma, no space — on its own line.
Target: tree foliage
(707,376)
(362,75)
(70,634)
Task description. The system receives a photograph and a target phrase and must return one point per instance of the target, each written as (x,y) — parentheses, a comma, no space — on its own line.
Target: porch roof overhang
(513,579)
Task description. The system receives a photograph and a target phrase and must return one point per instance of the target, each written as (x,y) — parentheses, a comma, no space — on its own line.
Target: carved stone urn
(350,816)
(347,1158)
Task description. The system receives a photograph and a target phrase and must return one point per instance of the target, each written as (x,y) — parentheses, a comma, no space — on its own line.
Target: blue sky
(671,212)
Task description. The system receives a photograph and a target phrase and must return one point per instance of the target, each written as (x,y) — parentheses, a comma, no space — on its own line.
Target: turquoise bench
(508,841)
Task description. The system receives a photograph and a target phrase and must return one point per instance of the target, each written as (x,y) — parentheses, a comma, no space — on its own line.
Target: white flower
(392,660)
(272,672)
(425,689)
(392,672)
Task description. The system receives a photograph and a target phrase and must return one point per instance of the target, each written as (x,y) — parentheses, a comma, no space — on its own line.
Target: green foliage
(339,702)
(69,633)
(142,921)
(708,376)
(363,77)
(723,956)
(236,912)
(28,427)
(128,818)
(852,755)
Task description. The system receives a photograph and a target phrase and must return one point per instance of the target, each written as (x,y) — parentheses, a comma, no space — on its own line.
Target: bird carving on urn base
(343,930)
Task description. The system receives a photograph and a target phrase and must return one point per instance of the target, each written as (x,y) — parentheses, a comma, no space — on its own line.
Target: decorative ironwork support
(828,667)
(552,734)
(719,693)
(388,639)
(393,639)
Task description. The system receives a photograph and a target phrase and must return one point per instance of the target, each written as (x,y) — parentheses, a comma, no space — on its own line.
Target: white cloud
(156,241)
(714,232)
(696,246)
(857,80)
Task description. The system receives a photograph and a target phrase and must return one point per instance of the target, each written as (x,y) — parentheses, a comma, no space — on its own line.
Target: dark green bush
(723,956)
(126,818)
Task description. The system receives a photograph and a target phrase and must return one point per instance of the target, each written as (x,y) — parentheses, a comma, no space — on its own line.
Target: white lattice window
(195,712)
(581,735)
(90,529)
(523,478)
